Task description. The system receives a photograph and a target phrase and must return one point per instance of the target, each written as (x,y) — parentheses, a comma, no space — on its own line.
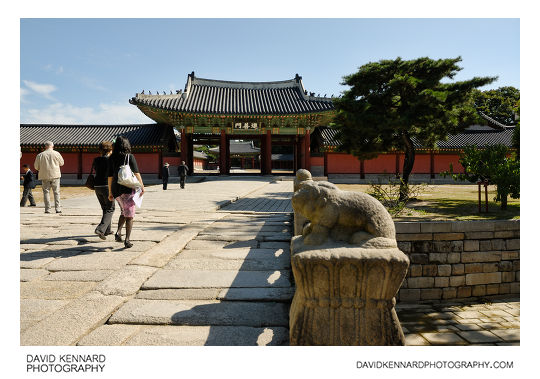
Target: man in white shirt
(48,164)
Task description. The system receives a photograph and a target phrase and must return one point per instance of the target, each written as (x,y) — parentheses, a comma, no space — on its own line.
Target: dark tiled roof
(476,135)
(92,135)
(492,122)
(242,98)
(199,154)
(326,136)
(236,147)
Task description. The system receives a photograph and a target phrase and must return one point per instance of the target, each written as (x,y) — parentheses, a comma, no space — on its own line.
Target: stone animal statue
(304,176)
(353,217)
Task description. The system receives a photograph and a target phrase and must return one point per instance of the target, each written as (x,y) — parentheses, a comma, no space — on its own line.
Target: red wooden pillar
(296,165)
(79,168)
(183,145)
(268,152)
(160,165)
(223,153)
(228,155)
(307,153)
(189,161)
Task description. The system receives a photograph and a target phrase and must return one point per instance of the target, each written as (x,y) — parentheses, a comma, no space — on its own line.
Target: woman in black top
(122,194)
(100,166)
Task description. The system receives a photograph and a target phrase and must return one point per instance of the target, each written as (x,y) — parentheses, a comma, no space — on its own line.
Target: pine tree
(392,102)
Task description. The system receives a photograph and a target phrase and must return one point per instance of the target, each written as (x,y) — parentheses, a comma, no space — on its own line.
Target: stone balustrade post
(347,269)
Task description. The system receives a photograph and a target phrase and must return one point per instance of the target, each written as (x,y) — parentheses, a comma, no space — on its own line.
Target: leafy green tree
(515,135)
(392,102)
(495,164)
(501,104)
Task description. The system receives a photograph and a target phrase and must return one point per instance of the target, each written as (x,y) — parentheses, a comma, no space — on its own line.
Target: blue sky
(85,70)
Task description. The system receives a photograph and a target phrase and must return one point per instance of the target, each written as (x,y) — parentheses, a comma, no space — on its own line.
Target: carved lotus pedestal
(345,294)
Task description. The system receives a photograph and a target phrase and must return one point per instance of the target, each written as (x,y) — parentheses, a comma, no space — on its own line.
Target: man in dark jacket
(182,172)
(28,185)
(165,175)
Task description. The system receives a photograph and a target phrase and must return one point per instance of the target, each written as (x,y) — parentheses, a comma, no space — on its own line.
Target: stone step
(284,294)
(229,264)
(232,254)
(202,313)
(217,279)
(182,335)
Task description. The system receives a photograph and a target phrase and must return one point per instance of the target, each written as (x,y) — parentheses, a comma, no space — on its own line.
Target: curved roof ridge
(248,85)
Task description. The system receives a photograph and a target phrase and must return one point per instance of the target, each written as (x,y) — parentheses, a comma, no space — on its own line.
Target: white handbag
(126,176)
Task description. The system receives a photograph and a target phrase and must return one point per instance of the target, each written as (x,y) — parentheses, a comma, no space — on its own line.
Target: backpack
(126,177)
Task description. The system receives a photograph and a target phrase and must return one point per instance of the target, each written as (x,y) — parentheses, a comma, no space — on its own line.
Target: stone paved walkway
(210,265)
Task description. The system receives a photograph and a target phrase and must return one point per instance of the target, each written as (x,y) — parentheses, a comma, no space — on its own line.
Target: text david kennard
(65,363)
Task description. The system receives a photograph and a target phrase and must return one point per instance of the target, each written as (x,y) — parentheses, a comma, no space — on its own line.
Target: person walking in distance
(123,195)
(165,175)
(182,172)
(48,165)
(28,185)
(101,187)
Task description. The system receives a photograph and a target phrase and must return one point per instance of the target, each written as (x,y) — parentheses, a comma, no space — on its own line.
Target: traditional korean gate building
(213,112)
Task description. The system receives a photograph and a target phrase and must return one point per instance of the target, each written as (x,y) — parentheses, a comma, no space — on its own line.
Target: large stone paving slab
(197,312)
(231,259)
(125,282)
(95,261)
(229,264)
(180,294)
(217,278)
(76,319)
(160,254)
(197,244)
(257,294)
(110,335)
(210,336)
(79,276)
(28,275)
(34,310)
(41,289)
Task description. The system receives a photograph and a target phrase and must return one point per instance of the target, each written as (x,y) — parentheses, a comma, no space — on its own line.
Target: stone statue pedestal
(345,293)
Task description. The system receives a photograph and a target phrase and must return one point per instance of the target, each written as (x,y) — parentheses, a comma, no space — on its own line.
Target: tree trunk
(408,164)
(504,202)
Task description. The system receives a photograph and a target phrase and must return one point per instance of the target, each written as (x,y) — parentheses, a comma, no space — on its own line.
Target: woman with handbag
(100,166)
(123,179)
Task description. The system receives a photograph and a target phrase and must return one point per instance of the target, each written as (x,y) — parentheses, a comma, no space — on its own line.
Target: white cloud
(24,93)
(44,90)
(92,84)
(60,113)
(60,70)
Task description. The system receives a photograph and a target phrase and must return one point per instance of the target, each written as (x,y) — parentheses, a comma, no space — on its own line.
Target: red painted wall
(442,163)
(317,161)
(88,158)
(148,162)
(28,158)
(343,164)
(173,161)
(384,163)
(71,162)
(422,164)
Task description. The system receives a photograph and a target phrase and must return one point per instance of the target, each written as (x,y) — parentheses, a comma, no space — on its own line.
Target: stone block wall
(459,259)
